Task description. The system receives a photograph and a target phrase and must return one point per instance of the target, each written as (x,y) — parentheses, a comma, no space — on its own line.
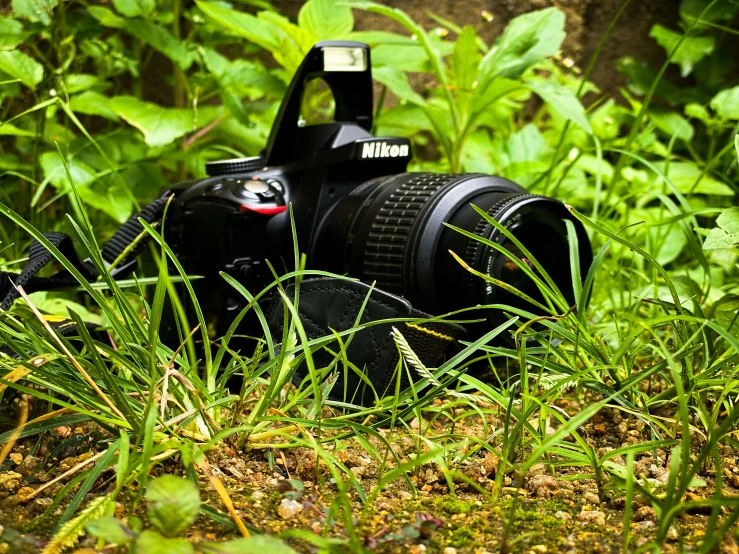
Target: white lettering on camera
(383,150)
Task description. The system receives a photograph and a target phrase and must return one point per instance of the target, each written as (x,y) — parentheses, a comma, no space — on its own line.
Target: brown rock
(10,481)
(28,465)
(542,486)
(592,516)
(645,513)
(24,494)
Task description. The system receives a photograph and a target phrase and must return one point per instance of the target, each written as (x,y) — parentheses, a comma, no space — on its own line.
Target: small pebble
(673,534)
(592,516)
(10,481)
(645,513)
(288,508)
(564,516)
(450,550)
(257,495)
(591,498)
(539,548)
(16,457)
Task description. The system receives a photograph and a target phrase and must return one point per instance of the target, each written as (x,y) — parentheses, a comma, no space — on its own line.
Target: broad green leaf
(720,10)
(161,40)
(21,66)
(34,10)
(726,233)
(397,81)
(151,542)
(671,123)
(107,197)
(640,76)
(49,303)
(77,82)
(684,176)
(91,102)
(12,130)
(160,125)
(689,53)
(242,73)
(725,313)
(109,528)
(256,544)
(592,165)
(135,8)
(266,35)
(527,39)
(477,154)
(174,503)
(326,19)
(81,173)
(523,155)
(466,59)
(726,103)
(106,17)
(11,33)
(562,100)
(699,112)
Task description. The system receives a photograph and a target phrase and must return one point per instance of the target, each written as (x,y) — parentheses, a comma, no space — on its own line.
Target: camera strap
(328,305)
(119,253)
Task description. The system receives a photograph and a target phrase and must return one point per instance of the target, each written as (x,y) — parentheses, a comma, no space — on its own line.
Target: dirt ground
(548,512)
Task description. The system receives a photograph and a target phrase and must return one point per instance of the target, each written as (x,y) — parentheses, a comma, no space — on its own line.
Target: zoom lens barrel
(395,231)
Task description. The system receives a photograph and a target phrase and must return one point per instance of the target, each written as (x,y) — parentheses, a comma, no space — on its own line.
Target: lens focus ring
(475,247)
(387,242)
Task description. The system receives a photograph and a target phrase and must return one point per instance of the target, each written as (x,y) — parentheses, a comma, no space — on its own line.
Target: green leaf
(721,10)
(397,81)
(11,33)
(9,129)
(684,176)
(562,100)
(34,10)
(106,17)
(151,542)
(671,123)
(161,40)
(21,66)
(726,103)
(726,234)
(110,530)
(466,59)
(326,19)
(527,39)
(174,503)
(135,8)
(242,73)
(92,103)
(256,544)
(160,125)
(689,53)
(109,198)
(266,35)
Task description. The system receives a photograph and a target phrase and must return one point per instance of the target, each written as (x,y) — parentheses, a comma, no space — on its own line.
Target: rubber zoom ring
(386,249)
(472,282)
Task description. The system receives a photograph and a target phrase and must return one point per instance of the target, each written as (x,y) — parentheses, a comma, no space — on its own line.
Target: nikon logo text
(384,150)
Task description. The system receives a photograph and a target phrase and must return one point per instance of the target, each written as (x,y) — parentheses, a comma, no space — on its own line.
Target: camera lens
(392,230)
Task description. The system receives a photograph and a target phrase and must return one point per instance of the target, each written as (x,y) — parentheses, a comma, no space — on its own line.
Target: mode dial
(236,165)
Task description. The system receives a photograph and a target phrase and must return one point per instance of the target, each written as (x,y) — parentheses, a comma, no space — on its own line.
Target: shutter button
(256,186)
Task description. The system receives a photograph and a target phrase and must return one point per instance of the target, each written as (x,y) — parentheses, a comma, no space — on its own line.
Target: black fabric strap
(334,303)
(39,256)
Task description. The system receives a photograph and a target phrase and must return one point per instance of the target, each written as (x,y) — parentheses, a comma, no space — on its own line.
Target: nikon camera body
(358,213)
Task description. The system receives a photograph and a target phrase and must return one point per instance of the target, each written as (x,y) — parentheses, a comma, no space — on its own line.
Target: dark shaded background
(587,20)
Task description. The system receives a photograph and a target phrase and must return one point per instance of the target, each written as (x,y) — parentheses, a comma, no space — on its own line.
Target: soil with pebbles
(553,509)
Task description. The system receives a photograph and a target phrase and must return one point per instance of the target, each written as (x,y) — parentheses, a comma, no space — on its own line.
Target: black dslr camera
(358,213)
